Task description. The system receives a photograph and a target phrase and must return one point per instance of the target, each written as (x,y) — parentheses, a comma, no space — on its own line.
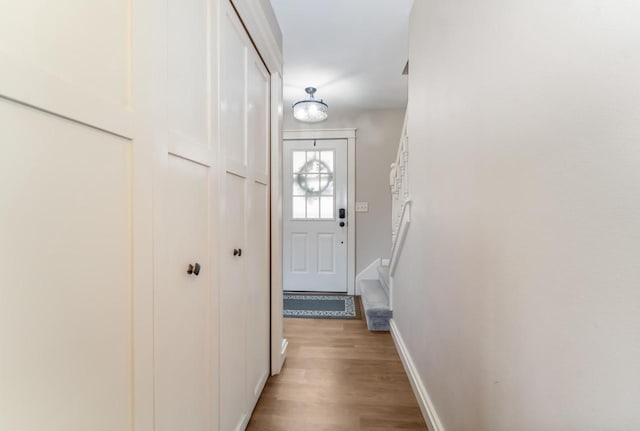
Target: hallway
(178,176)
(337,376)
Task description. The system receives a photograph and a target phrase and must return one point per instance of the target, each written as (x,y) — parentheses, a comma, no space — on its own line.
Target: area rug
(321,306)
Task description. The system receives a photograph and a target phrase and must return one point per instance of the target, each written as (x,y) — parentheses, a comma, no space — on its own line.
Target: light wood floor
(338,376)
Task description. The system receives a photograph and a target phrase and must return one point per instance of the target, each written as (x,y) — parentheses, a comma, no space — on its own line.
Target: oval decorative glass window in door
(313,184)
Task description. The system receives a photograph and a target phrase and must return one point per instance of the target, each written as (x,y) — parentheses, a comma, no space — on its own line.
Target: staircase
(375,282)
(375,300)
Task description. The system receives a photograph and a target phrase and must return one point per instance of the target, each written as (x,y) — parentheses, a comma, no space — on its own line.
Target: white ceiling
(352,51)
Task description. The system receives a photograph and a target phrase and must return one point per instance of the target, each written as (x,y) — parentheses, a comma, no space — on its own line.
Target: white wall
(377,140)
(518,291)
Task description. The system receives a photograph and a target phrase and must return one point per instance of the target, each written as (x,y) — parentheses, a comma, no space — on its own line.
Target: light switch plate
(362,207)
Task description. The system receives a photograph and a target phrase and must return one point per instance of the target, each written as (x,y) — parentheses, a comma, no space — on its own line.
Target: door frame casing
(350,136)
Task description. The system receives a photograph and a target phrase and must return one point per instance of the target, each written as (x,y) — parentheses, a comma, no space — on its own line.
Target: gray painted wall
(518,290)
(377,138)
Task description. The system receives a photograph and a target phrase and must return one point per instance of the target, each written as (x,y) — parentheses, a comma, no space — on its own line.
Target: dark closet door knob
(237,252)
(194,269)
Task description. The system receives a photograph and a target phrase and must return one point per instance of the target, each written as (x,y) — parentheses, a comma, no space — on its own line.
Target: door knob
(194,269)
(341,224)
(237,252)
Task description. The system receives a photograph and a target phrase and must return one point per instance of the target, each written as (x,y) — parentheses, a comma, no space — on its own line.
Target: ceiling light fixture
(310,110)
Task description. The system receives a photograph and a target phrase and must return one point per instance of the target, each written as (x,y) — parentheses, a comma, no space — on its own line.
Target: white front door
(315,219)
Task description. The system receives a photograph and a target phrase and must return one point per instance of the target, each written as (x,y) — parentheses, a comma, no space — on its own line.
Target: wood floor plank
(338,376)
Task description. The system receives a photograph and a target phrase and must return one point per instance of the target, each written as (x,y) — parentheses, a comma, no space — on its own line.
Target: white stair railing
(400,204)
(400,201)
(405,221)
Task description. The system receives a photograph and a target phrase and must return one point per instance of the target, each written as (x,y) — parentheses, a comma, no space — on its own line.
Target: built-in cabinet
(135,225)
(244,287)
(212,290)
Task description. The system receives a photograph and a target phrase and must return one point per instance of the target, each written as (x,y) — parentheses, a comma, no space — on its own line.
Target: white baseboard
(278,359)
(243,423)
(283,352)
(369,273)
(424,401)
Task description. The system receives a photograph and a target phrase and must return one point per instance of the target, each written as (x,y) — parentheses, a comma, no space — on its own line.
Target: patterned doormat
(321,306)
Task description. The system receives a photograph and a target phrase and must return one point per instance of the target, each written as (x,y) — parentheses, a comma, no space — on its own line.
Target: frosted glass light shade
(310,111)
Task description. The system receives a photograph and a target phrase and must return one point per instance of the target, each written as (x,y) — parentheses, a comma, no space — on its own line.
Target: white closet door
(233,307)
(244,290)
(182,302)
(185,343)
(233,289)
(66,201)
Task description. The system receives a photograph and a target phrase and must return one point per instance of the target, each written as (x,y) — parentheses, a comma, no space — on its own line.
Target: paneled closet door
(68,196)
(233,287)
(185,342)
(182,302)
(244,290)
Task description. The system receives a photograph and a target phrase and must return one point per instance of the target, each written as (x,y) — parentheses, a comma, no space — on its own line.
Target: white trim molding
(278,342)
(283,351)
(319,134)
(263,29)
(350,136)
(424,401)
